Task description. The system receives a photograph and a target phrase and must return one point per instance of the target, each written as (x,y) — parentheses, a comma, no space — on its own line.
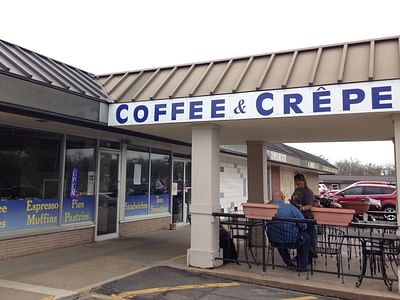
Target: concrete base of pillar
(203,259)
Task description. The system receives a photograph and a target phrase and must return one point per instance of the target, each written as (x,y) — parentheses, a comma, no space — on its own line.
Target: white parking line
(38,289)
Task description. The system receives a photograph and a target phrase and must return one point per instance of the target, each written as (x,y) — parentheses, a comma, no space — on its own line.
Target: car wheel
(389,213)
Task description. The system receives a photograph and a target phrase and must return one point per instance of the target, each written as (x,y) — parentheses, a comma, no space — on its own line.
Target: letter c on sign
(259,104)
(120,108)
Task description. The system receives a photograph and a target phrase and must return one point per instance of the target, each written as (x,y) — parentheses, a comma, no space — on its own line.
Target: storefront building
(341,92)
(88,158)
(68,178)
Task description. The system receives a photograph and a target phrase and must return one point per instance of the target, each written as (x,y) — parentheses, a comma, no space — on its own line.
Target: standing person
(303,196)
(288,233)
(303,199)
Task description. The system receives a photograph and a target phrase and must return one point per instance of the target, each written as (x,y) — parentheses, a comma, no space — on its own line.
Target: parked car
(383,192)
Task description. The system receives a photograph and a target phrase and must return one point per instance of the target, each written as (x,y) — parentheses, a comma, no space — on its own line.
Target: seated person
(289,233)
(227,245)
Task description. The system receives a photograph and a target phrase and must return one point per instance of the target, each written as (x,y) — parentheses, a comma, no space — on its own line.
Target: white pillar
(257,172)
(396,124)
(204,241)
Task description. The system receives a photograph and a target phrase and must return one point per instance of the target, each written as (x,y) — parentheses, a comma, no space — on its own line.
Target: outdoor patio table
(240,228)
(374,247)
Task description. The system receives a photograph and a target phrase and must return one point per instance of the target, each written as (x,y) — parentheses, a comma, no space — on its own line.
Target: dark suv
(383,192)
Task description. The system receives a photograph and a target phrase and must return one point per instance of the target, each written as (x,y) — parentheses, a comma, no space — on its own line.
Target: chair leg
(273,258)
(341,267)
(337,265)
(238,251)
(245,252)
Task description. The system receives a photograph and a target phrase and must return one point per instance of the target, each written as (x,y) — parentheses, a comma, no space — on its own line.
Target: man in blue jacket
(283,234)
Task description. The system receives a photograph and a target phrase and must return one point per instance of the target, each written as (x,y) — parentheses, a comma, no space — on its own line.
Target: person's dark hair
(299,177)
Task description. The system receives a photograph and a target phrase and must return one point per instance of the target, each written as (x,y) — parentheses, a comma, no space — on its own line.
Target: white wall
(233,181)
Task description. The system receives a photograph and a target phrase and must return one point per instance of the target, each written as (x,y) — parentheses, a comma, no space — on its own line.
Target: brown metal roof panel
(23,61)
(302,69)
(171,73)
(387,59)
(357,62)
(276,75)
(152,87)
(125,91)
(191,81)
(13,66)
(138,85)
(67,77)
(252,77)
(80,81)
(139,92)
(213,75)
(228,83)
(111,83)
(173,81)
(56,79)
(328,67)
(89,81)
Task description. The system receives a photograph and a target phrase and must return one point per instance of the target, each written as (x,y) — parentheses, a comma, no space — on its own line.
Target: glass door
(107,214)
(188,191)
(181,191)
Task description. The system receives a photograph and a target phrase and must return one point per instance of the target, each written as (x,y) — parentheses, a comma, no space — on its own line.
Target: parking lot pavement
(170,283)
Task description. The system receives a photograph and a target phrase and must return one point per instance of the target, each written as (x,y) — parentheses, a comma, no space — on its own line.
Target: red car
(381,191)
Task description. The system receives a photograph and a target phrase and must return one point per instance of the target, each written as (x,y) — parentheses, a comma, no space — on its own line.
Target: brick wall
(276,178)
(41,242)
(131,228)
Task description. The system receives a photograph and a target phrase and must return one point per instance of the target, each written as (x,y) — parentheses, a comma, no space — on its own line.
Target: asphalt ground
(169,283)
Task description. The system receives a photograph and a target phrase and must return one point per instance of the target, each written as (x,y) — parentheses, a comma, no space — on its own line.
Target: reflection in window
(160,183)
(137,183)
(29,164)
(79,180)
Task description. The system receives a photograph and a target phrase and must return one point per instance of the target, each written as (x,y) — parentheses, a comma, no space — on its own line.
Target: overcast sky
(110,36)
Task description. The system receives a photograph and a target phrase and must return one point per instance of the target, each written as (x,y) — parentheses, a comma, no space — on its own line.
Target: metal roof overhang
(359,62)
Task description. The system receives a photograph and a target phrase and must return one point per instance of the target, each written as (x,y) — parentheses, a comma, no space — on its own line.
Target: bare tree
(353,166)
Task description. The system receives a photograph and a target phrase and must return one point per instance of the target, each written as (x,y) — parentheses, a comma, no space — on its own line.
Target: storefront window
(160,196)
(79,180)
(145,197)
(137,183)
(30,162)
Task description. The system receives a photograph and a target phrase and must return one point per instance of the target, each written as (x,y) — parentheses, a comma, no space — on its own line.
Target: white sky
(109,36)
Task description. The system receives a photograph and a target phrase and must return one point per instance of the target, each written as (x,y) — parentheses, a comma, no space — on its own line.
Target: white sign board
(174,188)
(137,174)
(364,97)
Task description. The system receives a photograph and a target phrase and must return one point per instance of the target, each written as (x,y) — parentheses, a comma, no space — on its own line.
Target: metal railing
(373,244)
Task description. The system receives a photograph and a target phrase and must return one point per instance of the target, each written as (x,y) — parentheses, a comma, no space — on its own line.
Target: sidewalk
(67,272)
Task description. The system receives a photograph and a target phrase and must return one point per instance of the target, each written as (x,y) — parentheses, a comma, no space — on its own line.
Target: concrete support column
(257,172)
(204,241)
(396,124)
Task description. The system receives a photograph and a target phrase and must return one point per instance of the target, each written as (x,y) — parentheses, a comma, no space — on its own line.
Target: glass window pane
(29,161)
(353,191)
(160,183)
(79,180)
(137,183)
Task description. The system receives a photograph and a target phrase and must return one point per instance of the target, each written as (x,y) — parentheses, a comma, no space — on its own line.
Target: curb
(287,285)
